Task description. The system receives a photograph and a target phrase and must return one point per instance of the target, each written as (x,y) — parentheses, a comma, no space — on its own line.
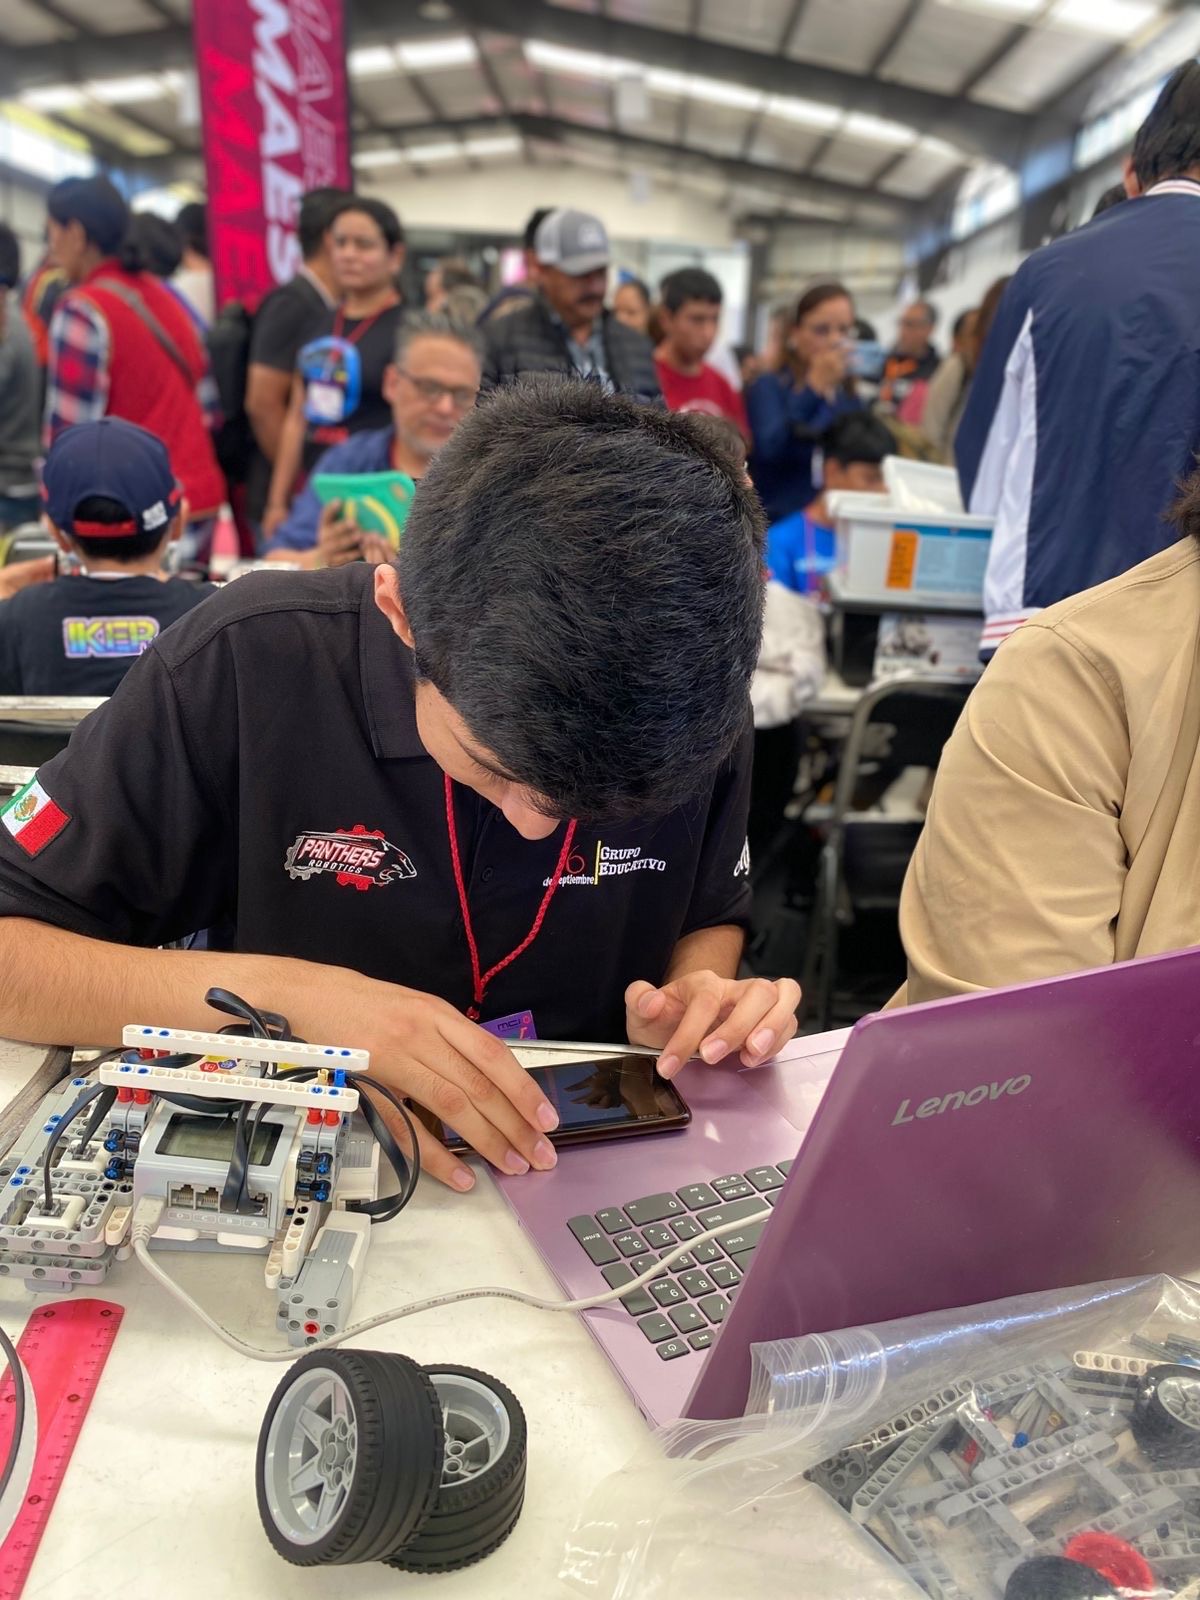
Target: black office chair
(904,722)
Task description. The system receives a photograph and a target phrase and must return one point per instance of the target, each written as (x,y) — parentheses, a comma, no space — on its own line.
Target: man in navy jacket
(1085,411)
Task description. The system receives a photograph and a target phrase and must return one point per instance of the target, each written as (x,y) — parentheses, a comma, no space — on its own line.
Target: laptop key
(785,1166)
(701,1340)
(696,1283)
(733,1212)
(670,1348)
(708,1252)
(668,1293)
(723,1273)
(772,1197)
(612,1219)
(653,1208)
(658,1237)
(714,1307)
(742,1258)
(743,1239)
(593,1240)
(640,1264)
(686,1260)
(629,1244)
(637,1302)
(695,1195)
(686,1318)
(733,1187)
(656,1328)
(683,1227)
(764,1178)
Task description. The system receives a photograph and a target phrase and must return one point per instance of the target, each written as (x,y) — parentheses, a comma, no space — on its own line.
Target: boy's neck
(668,354)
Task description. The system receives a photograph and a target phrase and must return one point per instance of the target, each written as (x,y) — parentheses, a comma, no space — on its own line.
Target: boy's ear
(178,524)
(62,540)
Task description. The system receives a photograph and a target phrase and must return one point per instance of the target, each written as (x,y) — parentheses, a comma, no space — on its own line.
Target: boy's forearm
(61,988)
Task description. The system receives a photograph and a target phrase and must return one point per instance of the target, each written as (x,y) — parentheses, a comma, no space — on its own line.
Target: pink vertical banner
(276,113)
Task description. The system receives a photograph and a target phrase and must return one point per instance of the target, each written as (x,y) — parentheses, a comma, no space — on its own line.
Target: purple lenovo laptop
(1005,1142)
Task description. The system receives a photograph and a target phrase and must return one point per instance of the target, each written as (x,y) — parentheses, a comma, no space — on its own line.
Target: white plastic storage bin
(904,559)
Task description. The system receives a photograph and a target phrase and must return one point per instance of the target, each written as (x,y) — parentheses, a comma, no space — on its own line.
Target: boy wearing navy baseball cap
(113,505)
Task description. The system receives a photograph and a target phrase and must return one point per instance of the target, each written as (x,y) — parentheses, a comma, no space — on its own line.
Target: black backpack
(229,353)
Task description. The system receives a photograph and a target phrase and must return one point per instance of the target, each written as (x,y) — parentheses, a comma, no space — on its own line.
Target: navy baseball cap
(118,460)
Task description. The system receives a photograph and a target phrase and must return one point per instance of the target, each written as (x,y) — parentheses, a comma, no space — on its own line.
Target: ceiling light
(378,158)
(124,91)
(500,145)
(1106,19)
(583,63)
(430,54)
(421,153)
(54,97)
(940,149)
(877,130)
(371,61)
(713,91)
(809,113)
(998,8)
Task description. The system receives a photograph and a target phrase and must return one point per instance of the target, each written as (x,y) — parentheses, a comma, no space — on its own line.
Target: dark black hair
(316,213)
(94,203)
(1114,195)
(536,218)
(192,226)
(151,244)
(1168,143)
(864,331)
(583,577)
(689,283)
(858,436)
(631,282)
(1185,513)
(384,218)
(124,547)
(10,258)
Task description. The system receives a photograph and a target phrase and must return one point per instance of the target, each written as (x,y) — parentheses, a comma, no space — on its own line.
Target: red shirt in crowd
(705,391)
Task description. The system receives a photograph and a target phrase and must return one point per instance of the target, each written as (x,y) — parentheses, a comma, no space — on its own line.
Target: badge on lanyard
(517,1026)
(331,371)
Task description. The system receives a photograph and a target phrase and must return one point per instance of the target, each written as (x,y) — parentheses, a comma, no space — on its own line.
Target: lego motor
(366,1456)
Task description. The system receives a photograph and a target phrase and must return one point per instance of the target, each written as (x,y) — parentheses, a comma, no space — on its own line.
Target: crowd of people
(562,498)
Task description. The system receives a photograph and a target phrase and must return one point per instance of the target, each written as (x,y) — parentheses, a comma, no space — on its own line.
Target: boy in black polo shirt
(112,504)
(508,773)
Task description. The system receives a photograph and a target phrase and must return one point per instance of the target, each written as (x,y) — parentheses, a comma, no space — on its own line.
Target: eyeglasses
(431,390)
(826,330)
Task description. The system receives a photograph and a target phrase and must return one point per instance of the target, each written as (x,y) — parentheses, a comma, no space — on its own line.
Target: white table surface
(159,1502)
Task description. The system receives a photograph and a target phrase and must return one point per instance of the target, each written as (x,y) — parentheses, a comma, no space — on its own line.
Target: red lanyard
(339,322)
(481,981)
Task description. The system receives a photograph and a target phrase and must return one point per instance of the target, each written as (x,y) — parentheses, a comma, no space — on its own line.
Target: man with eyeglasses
(431,385)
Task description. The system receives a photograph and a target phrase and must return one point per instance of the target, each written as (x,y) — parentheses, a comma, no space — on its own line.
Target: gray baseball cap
(572,241)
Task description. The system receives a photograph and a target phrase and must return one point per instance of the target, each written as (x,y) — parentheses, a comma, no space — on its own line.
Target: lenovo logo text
(961,1098)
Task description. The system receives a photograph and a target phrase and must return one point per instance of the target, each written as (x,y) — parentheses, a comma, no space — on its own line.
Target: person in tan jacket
(1064,825)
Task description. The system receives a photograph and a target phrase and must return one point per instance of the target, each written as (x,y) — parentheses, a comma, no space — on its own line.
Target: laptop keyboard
(680,1310)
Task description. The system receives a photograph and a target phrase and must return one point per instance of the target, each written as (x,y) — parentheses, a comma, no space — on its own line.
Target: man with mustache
(566,327)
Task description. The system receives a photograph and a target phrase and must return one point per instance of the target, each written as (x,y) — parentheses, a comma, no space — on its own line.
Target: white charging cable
(149,1210)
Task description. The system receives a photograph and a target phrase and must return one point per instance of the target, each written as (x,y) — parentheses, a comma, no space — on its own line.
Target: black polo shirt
(259,772)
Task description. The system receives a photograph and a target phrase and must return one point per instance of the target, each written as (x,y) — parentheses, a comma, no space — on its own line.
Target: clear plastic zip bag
(1002,1452)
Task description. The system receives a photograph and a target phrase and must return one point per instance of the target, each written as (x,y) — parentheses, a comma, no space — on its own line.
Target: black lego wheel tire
(1168,1434)
(1056,1578)
(400,1444)
(471,1519)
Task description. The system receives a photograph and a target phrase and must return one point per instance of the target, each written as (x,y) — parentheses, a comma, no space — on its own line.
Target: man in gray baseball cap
(566,327)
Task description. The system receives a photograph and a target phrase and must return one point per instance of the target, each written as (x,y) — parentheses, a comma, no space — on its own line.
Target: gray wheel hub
(476,1424)
(312,1446)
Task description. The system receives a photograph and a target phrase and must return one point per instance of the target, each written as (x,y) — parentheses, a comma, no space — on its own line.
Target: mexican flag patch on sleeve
(33,818)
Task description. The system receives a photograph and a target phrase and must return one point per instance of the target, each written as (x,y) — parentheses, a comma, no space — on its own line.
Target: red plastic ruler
(63,1349)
